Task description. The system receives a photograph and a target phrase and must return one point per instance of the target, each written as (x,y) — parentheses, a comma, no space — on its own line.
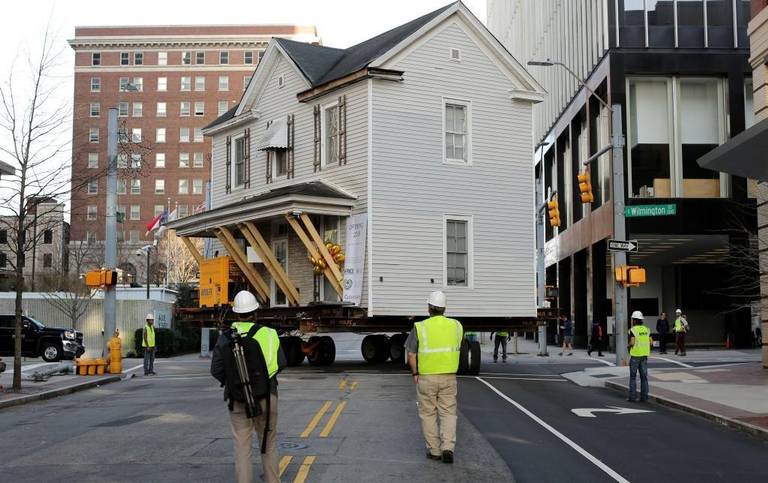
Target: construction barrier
(90,367)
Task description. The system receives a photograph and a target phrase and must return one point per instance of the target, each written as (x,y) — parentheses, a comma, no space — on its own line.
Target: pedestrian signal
(630,275)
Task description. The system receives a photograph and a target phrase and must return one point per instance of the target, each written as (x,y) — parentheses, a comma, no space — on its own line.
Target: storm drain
(291,445)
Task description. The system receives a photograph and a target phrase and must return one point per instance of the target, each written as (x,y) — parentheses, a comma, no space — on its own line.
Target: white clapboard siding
(413,189)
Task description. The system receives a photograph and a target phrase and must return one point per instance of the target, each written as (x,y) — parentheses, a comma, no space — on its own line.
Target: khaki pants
(242,434)
(437,400)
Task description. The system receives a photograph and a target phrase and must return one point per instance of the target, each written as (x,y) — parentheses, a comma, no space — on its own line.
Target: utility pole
(619,233)
(110,240)
(540,269)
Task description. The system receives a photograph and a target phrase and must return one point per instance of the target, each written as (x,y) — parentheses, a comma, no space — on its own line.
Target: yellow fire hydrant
(115,347)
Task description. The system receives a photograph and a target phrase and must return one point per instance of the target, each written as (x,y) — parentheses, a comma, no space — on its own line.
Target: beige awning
(276,136)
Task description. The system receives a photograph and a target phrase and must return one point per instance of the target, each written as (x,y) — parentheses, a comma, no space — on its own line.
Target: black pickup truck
(51,343)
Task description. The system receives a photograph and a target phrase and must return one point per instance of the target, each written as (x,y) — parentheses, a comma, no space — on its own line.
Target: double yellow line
(301,475)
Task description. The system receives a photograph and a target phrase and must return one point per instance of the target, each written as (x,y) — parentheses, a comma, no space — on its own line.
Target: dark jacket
(662,326)
(596,331)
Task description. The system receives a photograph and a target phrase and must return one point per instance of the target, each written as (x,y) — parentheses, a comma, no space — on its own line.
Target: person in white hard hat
(148,343)
(639,349)
(680,328)
(433,348)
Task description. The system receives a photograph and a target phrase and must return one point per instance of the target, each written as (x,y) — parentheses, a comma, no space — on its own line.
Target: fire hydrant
(115,347)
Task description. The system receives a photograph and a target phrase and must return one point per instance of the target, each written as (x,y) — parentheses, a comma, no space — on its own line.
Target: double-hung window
(93,135)
(183,160)
(159,186)
(223,107)
(198,160)
(330,130)
(199,83)
(135,186)
(93,187)
(95,109)
(96,58)
(160,135)
(138,109)
(199,108)
(183,134)
(186,58)
(248,57)
(456,131)
(159,160)
(125,58)
(457,251)
(186,83)
(197,186)
(223,82)
(95,84)
(224,57)
(93,160)
(161,109)
(183,186)
(92,213)
(162,58)
(185,108)
(162,84)
(238,161)
(122,109)
(135,212)
(200,57)
(138,58)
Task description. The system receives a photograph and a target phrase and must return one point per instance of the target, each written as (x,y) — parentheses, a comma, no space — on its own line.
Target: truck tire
(464,358)
(291,346)
(382,347)
(314,356)
(328,348)
(397,348)
(473,362)
(369,348)
(50,351)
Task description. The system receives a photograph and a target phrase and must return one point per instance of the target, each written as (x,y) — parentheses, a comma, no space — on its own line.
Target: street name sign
(623,245)
(650,210)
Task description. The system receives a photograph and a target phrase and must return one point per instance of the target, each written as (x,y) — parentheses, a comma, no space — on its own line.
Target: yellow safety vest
(642,347)
(150,342)
(502,333)
(439,345)
(268,341)
(679,327)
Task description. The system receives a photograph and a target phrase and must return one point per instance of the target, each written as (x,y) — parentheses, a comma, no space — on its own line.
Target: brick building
(167,83)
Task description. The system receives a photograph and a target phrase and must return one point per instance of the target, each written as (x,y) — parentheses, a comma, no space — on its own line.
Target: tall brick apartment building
(185,76)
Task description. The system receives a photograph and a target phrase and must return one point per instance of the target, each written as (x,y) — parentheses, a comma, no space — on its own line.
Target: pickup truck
(51,343)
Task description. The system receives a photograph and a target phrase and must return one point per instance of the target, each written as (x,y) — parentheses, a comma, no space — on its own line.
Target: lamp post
(618,200)
(146,250)
(540,236)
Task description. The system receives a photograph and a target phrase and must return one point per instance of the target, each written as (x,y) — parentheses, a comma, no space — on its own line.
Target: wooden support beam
(226,239)
(321,246)
(312,249)
(264,251)
(192,250)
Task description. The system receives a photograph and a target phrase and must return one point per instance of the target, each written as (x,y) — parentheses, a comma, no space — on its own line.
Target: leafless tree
(69,294)
(182,266)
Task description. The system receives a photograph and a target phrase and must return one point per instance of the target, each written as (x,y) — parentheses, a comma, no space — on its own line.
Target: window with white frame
(123,82)
(93,160)
(122,135)
(183,186)
(122,187)
(138,109)
(135,160)
(125,58)
(93,135)
(223,82)
(224,57)
(91,213)
(248,57)
(159,160)
(120,211)
(133,236)
(330,134)
(162,58)
(223,107)
(200,58)
(160,135)
(183,160)
(136,135)
(184,135)
(199,108)
(122,160)
(246,81)
(238,162)
(197,160)
(186,58)
(186,83)
(95,109)
(122,109)
(199,83)
(161,109)
(159,186)
(183,211)
(95,84)
(281,162)
(96,58)
(456,130)
(197,186)
(457,251)
(162,84)
(135,186)
(90,237)
(198,135)
(138,58)
(138,83)
(135,212)
(184,108)
(93,187)
(158,210)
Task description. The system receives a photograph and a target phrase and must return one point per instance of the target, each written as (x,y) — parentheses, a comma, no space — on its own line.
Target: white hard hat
(245,302)
(637,315)
(437,299)
(150,316)
(678,311)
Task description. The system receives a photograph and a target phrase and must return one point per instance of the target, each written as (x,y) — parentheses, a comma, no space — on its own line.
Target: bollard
(115,354)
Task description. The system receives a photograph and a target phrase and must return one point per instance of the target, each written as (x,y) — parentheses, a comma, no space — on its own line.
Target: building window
(280,82)
(199,83)
(223,107)
(135,212)
(138,109)
(135,186)
(136,135)
(160,135)
(457,132)
(457,253)
(122,109)
(261,54)
(162,58)
(96,58)
(197,160)
(93,187)
(281,162)
(47,260)
(158,210)
(95,109)
(162,84)
(184,108)
(199,108)
(246,81)
(93,135)
(238,158)
(183,211)
(186,58)
(186,83)
(455,54)
(121,187)
(200,58)
(159,160)
(223,82)
(184,135)
(124,81)
(159,186)
(248,57)
(650,143)
(135,161)
(199,135)
(120,213)
(701,130)
(197,187)
(3,237)
(749,104)
(138,83)
(138,58)
(91,212)
(93,160)
(330,138)
(224,57)
(183,187)
(690,23)
(161,109)
(125,58)
(183,160)
(90,238)
(122,135)
(47,237)
(95,84)
(122,160)
(133,236)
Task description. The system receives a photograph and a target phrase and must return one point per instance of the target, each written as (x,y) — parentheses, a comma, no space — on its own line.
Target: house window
(47,260)
(456,132)
(136,135)
(158,209)
(246,81)
(159,186)
(199,83)
(93,187)
(200,57)
(238,158)
(95,84)
(96,58)
(121,187)
(199,108)
(93,135)
(162,84)
(133,236)
(160,135)
(281,162)
(455,54)
(91,212)
(457,242)
(159,160)
(186,58)
(183,211)
(135,186)
(47,237)
(197,186)
(125,58)
(95,109)
(183,187)
(122,160)
(197,160)
(135,212)
(138,58)
(122,135)
(248,57)
(162,58)
(223,107)
(224,57)
(161,109)
(93,160)
(138,109)
(124,81)
(186,83)
(330,134)
(122,109)
(223,82)
(198,134)
(90,238)
(184,135)
(183,160)
(138,83)
(184,108)
(136,161)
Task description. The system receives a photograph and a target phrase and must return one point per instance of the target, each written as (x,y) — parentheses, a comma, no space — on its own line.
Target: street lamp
(540,236)
(618,200)
(146,250)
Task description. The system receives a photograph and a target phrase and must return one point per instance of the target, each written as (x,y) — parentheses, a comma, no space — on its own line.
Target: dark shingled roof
(224,117)
(312,60)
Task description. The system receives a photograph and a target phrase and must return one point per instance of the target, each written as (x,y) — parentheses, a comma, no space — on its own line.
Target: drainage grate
(291,445)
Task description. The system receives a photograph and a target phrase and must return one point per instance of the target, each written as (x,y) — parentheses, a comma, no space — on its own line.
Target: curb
(717,418)
(57,392)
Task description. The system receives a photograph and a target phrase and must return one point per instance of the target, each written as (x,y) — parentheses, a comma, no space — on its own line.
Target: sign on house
(354,265)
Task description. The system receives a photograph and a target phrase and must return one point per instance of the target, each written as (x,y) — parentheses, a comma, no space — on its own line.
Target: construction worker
(639,349)
(433,354)
(225,372)
(680,329)
(148,343)
(502,336)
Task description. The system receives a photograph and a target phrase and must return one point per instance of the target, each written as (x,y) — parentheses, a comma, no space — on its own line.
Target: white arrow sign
(588,412)
(623,245)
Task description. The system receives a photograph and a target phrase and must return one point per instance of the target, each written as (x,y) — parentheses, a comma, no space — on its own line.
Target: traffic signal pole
(619,233)
(110,239)
(541,208)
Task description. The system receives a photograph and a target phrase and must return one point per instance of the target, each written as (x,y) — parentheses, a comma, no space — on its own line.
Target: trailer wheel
(382,347)
(464,358)
(473,360)
(292,349)
(369,348)
(328,348)
(397,348)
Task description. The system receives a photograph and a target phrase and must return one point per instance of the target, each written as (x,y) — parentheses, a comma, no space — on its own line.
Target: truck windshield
(36,323)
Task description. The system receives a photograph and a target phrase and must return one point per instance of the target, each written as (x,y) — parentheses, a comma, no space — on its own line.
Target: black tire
(298,353)
(314,356)
(464,358)
(292,349)
(369,348)
(383,344)
(50,351)
(473,358)
(328,347)
(397,348)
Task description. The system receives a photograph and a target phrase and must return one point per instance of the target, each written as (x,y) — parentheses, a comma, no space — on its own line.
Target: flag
(156,222)
(200,208)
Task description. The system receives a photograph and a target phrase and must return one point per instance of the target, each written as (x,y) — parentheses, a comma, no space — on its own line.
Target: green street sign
(650,210)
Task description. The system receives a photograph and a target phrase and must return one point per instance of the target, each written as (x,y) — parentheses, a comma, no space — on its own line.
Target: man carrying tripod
(246,361)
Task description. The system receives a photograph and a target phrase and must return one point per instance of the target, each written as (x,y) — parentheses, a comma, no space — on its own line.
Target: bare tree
(182,266)
(69,294)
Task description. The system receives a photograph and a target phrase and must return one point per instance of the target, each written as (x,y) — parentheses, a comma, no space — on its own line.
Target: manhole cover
(291,445)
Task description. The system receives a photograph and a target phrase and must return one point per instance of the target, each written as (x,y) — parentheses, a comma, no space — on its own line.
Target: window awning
(743,155)
(276,136)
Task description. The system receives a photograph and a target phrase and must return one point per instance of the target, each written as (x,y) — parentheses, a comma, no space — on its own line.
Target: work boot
(448,456)
(589,353)
(495,360)
(504,361)
(433,456)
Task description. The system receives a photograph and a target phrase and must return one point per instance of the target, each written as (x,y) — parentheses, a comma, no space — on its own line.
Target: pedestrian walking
(433,354)
(502,337)
(681,327)
(263,360)
(148,343)
(662,328)
(640,342)
(566,330)
(596,341)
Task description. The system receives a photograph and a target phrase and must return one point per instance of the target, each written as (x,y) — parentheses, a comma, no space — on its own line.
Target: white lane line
(515,374)
(133,368)
(607,363)
(520,378)
(683,364)
(559,435)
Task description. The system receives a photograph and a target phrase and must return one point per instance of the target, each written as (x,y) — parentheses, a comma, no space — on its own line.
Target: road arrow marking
(588,412)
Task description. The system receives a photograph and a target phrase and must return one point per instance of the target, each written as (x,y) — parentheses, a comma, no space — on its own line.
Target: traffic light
(101,278)
(630,275)
(585,187)
(554,212)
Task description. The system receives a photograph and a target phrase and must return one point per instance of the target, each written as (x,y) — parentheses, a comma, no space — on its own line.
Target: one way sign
(623,246)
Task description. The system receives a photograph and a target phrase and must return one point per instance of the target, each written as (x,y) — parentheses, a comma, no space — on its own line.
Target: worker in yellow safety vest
(639,349)
(148,344)
(680,328)
(502,336)
(433,348)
